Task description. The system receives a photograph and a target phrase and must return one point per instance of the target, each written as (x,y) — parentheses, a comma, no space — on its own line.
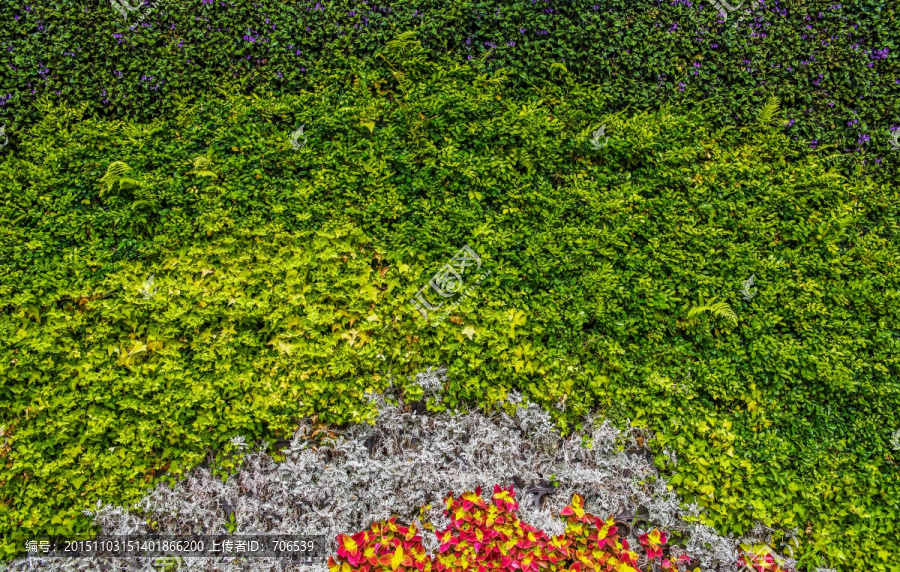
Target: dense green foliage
(833,65)
(284,278)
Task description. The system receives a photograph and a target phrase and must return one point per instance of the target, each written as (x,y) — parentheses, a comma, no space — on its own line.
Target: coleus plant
(653,543)
(594,543)
(485,536)
(761,562)
(491,537)
(384,546)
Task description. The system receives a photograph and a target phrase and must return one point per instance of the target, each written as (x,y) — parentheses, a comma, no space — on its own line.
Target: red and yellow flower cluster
(485,536)
(489,536)
(760,563)
(385,546)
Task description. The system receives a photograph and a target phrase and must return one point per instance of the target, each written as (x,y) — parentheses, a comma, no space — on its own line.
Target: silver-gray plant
(403,461)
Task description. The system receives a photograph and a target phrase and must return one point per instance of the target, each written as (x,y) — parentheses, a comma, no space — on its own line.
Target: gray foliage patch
(406,460)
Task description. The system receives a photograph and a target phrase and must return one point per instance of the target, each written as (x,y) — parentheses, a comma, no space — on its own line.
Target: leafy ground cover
(284,277)
(834,65)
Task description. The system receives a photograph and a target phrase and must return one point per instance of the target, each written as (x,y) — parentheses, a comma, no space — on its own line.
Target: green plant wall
(282,281)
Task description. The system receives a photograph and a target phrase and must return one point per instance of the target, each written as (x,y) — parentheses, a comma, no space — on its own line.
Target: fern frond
(769,111)
(113,175)
(721,309)
(201,163)
(202,168)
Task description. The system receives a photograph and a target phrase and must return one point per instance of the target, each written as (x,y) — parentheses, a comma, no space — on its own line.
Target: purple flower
(681,86)
(863,139)
(813,144)
(791,123)
(521,30)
